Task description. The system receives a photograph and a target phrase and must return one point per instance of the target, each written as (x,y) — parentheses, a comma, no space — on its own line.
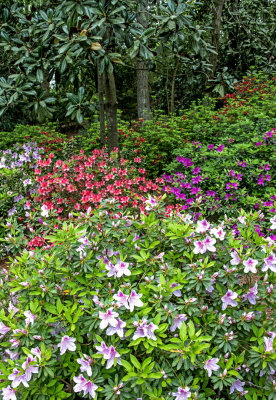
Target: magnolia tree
(118,306)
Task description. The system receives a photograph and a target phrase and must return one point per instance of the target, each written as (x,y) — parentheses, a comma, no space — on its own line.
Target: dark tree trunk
(217,13)
(143,101)
(111,111)
(101,105)
(173,84)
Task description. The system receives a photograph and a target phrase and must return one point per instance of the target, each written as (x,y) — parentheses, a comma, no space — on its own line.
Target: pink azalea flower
(229,299)
(176,292)
(85,386)
(116,329)
(3,329)
(182,393)
(67,343)
(236,260)
(134,300)
(17,377)
(177,322)
(250,265)
(150,203)
(218,233)
(121,269)
(208,243)
(199,247)
(8,393)
(85,364)
(122,299)
(108,318)
(202,226)
(211,365)
(36,352)
(30,318)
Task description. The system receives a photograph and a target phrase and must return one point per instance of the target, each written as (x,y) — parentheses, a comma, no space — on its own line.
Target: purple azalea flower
(236,260)
(30,369)
(109,353)
(17,377)
(176,292)
(122,299)
(67,343)
(116,329)
(208,243)
(3,329)
(145,330)
(251,295)
(30,318)
(121,269)
(200,247)
(211,365)
(237,385)
(177,322)
(268,342)
(229,299)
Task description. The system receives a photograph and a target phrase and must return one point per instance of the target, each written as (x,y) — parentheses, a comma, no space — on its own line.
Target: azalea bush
(118,305)
(248,112)
(213,179)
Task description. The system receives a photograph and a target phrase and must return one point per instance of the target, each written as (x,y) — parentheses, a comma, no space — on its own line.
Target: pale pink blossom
(251,295)
(119,328)
(67,343)
(121,269)
(108,318)
(209,244)
(30,318)
(200,247)
(202,226)
(182,393)
(270,263)
(8,393)
(122,299)
(145,330)
(134,300)
(30,369)
(18,377)
(273,222)
(219,233)
(85,364)
(85,386)
(109,354)
(250,265)
(3,329)
(236,260)
(268,342)
(211,365)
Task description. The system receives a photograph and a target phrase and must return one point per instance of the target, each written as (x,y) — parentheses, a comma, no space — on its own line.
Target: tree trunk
(101,105)
(173,84)
(143,101)
(111,111)
(217,13)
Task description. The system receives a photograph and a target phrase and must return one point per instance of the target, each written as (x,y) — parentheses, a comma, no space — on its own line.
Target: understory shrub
(117,306)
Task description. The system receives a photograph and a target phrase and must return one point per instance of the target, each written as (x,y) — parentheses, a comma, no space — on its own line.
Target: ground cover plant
(137,276)
(151,307)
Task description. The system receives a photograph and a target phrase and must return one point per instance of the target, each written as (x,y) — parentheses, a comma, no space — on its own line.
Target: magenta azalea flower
(200,247)
(211,365)
(67,343)
(229,299)
(270,263)
(208,243)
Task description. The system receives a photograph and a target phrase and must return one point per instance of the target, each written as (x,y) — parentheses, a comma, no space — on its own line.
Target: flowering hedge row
(141,308)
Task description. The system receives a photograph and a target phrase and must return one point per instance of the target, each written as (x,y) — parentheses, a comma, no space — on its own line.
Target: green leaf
(183,332)
(135,362)
(39,75)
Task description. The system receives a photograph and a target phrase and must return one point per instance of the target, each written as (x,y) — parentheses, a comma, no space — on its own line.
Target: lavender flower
(211,365)
(108,318)
(182,393)
(109,353)
(177,322)
(85,364)
(8,393)
(84,385)
(251,295)
(237,385)
(67,343)
(250,265)
(229,299)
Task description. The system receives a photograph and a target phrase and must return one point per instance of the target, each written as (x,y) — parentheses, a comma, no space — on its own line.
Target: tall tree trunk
(101,105)
(173,84)
(143,101)
(111,111)
(217,13)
